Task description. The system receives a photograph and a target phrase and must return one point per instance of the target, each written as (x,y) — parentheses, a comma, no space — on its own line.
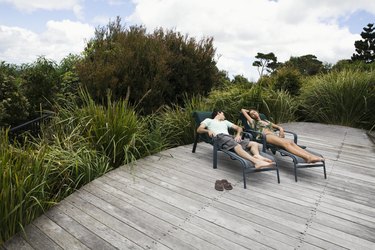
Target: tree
(69,80)
(149,70)
(13,105)
(347,64)
(223,80)
(288,79)
(365,49)
(240,79)
(40,84)
(267,62)
(307,65)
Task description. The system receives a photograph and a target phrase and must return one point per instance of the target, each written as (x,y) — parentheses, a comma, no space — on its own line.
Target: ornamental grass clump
(23,186)
(344,97)
(39,172)
(114,129)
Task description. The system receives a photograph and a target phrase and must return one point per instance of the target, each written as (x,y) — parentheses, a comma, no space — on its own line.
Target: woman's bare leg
(293,148)
(257,162)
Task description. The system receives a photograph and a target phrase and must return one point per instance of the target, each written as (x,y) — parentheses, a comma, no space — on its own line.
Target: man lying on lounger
(218,127)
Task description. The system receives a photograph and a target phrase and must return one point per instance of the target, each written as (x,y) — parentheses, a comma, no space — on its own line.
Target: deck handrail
(32,126)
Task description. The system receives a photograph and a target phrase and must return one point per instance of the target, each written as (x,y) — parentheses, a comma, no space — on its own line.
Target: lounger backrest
(199,116)
(246,124)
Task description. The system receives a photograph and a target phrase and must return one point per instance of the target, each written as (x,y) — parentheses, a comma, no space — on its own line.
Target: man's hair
(214,113)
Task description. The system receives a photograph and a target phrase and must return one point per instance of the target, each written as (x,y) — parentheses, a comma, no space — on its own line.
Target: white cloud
(60,38)
(241,28)
(30,6)
(102,20)
(116,2)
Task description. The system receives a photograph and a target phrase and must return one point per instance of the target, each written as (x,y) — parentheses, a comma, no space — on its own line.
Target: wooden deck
(169,202)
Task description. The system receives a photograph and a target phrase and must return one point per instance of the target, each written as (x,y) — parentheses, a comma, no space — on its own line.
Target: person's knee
(289,143)
(252,144)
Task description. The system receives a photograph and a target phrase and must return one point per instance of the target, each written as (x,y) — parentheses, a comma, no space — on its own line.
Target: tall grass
(82,142)
(278,106)
(344,97)
(114,129)
(174,125)
(234,97)
(37,174)
(22,181)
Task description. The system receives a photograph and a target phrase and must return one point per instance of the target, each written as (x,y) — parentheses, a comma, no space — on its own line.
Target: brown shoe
(219,185)
(227,185)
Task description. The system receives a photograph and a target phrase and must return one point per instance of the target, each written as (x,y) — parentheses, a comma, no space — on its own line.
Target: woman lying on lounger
(267,127)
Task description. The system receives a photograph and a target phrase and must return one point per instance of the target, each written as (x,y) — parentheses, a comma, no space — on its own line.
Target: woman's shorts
(227,142)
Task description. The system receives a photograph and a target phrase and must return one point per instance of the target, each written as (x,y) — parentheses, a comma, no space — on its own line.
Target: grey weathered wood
(17,242)
(169,202)
(38,240)
(58,234)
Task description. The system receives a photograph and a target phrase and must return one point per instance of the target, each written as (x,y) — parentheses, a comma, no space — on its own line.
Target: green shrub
(114,129)
(278,106)
(13,104)
(344,97)
(22,180)
(288,79)
(37,174)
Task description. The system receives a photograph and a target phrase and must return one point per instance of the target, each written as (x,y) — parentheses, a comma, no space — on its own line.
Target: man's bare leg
(254,149)
(257,162)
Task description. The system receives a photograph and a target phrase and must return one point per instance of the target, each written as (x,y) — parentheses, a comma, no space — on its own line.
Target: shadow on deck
(169,202)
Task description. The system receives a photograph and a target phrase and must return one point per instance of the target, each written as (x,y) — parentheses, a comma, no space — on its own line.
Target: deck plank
(168,201)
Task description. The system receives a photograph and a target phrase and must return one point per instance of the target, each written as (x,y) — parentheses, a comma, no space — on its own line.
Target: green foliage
(341,97)
(40,84)
(192,69)
(79,144)
(114,129)
(13,104)
(365,49)
(307,65)
(148,70)
(68,77)
(266,62)
(288,79)
(21,179)
(223,80)
(240,79)
(231,99)
(353,65)
(36,175)
(277,105)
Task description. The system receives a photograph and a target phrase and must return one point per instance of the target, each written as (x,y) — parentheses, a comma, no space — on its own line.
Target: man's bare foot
(263,164)
(259,157)
(314,159)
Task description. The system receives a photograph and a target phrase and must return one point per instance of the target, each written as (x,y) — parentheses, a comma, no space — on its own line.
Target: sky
(240,28)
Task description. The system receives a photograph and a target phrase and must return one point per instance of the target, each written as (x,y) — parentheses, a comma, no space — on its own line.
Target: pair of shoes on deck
(220,185)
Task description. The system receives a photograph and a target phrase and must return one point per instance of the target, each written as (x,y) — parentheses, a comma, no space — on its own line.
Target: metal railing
(32,127)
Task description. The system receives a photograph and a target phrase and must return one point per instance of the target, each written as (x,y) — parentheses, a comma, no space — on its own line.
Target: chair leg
(214,156)
(195,143)
(244,179)
(278,175)
(324,169)
(295,172)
